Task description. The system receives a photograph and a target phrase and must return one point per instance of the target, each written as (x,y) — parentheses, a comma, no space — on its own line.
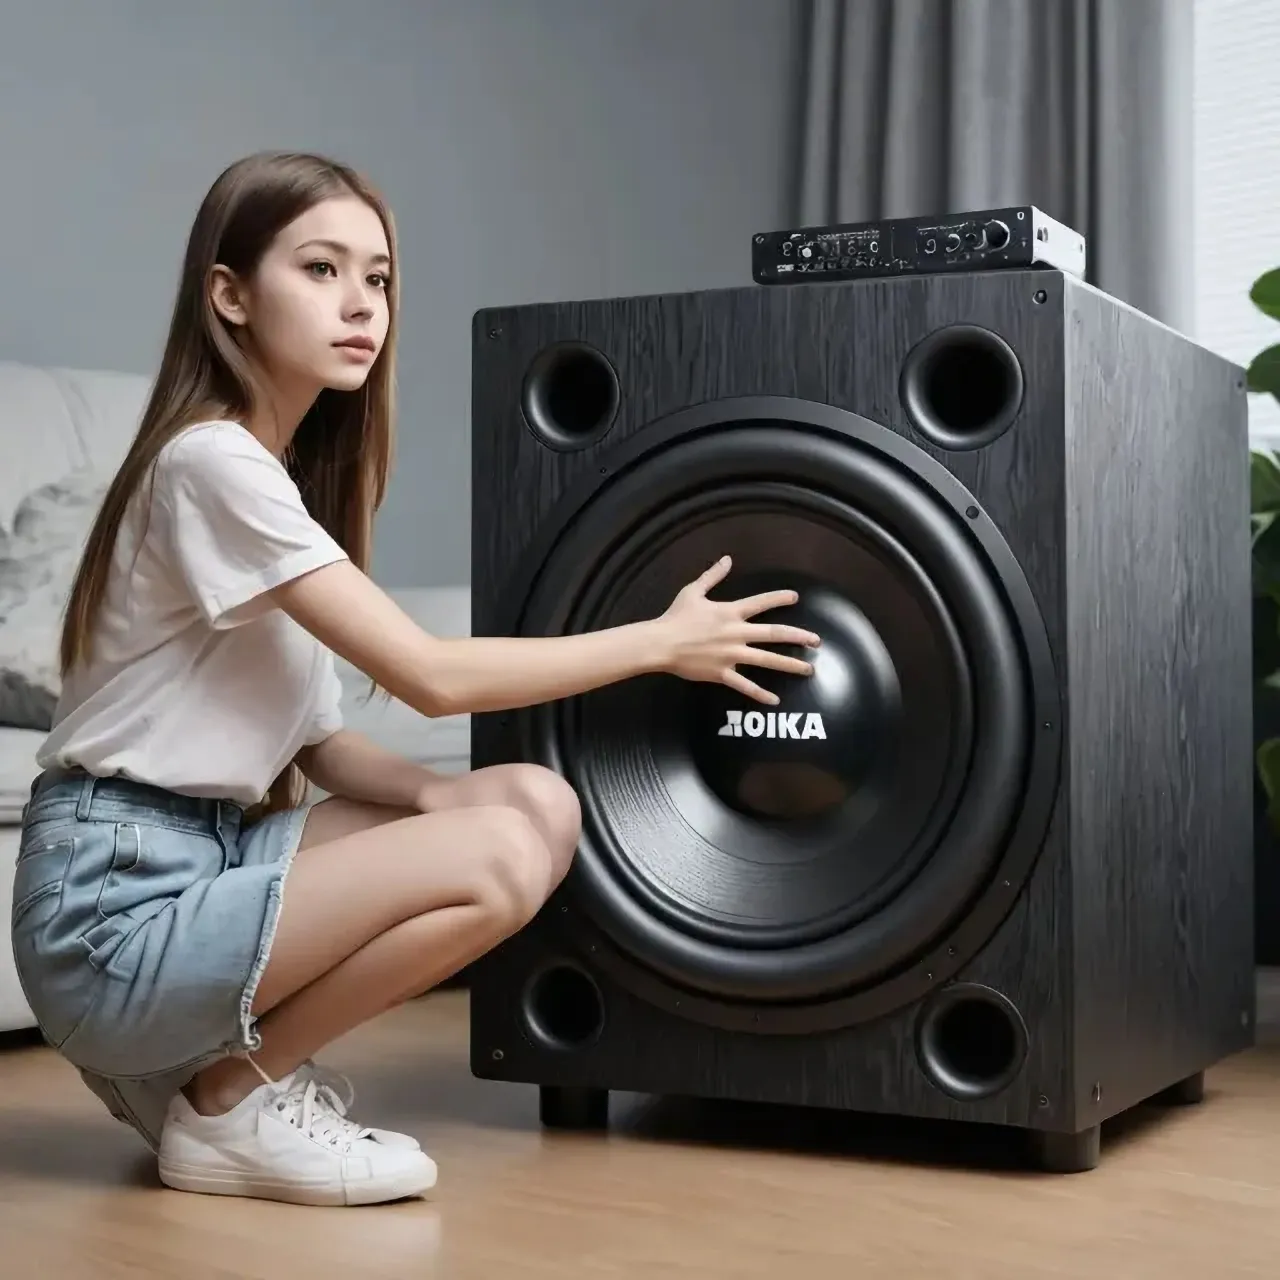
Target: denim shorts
(142,923)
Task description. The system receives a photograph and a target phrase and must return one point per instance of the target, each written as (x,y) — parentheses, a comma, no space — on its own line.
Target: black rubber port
(962,387)
(971,1041)
(570,395)
(563,1008)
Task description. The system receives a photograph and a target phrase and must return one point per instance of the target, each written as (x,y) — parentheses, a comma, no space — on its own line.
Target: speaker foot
(1066,1152)
(1186,1093)
(571,1107)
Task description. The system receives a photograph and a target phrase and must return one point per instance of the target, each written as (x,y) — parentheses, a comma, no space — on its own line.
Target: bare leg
(548,801)
(545,798)
(382,905)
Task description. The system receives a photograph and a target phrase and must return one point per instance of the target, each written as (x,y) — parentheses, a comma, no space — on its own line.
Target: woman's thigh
(548,801)
(363,869)
(337,817)
(500,837)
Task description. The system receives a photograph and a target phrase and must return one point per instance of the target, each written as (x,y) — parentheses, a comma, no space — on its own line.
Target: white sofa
(56,422)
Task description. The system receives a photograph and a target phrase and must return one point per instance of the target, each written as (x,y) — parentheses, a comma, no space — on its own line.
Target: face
(315,313)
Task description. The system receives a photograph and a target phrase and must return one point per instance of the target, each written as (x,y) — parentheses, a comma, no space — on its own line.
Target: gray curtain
(1080,107)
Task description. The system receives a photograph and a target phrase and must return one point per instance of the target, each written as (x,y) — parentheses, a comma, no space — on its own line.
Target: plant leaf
(1265,626)
(1265,294)
(1269,765)
(1266,560)
(1268,759)
(1264,372)
(1264,482)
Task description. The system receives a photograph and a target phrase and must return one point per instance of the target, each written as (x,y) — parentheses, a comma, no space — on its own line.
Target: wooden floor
(674,1189)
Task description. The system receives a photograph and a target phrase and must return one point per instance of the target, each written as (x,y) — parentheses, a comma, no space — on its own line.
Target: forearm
(348,764)
(495,673)
(359,622)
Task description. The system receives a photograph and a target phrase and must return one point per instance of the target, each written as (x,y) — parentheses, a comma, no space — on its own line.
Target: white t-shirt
(197,681)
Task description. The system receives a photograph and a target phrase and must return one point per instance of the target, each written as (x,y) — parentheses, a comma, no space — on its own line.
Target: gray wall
(531,149)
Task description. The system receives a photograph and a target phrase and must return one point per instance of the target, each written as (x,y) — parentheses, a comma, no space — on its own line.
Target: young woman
(153,933)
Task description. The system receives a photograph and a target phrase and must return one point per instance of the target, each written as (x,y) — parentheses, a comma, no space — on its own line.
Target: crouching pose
(188,931)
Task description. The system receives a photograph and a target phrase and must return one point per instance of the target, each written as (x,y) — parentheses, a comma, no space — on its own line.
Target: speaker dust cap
(836,735)
(787,853)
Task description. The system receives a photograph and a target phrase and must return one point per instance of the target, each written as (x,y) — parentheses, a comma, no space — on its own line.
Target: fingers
(749,688)
(776,662)
(717,573)
(777,633)
(751,605)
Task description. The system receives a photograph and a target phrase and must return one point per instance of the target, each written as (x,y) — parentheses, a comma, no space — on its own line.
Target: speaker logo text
(772,724)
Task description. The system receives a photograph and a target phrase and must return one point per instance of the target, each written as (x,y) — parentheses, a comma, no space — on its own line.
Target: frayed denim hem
(250,1040)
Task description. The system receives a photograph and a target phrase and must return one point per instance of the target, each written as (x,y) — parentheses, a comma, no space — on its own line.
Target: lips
(360,343)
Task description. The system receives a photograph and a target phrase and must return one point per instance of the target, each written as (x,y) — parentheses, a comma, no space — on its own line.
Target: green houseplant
(1264,474)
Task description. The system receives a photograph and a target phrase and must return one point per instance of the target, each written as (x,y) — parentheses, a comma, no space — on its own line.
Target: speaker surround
(800,970)
(916,884)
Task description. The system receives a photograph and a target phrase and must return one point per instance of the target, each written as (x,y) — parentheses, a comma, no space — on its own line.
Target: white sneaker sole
(400,1185)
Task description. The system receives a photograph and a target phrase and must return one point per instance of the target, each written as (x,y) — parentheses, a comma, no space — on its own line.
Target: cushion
(18,770)
(67,420)
(38,561)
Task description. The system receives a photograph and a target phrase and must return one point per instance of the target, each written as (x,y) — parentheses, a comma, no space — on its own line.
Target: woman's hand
(708,638)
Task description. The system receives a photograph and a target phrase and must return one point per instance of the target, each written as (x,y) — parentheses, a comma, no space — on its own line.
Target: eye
(380,281)
(318,268)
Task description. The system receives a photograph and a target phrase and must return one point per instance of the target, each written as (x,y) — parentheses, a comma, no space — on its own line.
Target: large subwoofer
(992,859)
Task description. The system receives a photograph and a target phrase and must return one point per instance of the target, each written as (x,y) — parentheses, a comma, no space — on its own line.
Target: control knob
(997,234)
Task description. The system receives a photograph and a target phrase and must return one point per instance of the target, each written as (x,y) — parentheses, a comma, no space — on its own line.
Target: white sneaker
(287,1141)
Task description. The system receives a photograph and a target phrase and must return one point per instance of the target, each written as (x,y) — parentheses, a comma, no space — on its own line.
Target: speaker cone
(799,852)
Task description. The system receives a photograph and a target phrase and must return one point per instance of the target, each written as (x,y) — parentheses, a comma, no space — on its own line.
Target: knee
(515,875)
(554,807)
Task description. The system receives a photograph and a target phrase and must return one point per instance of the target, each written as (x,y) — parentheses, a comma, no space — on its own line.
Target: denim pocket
(151,865)
(49,962)
(124,886)
(44,831)
(39,876)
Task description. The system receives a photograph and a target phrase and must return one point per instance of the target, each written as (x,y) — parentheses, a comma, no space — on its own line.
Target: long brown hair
(341,454)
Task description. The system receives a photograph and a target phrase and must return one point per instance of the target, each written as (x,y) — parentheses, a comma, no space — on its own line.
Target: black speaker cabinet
(992,861)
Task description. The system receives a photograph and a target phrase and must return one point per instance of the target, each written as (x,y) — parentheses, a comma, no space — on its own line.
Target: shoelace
(307,1108)
(313,1102)
(335,1087)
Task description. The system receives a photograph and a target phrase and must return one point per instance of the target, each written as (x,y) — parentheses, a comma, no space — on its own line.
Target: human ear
(227,295)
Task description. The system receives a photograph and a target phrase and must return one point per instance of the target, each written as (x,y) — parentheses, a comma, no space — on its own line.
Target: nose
(358,302)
